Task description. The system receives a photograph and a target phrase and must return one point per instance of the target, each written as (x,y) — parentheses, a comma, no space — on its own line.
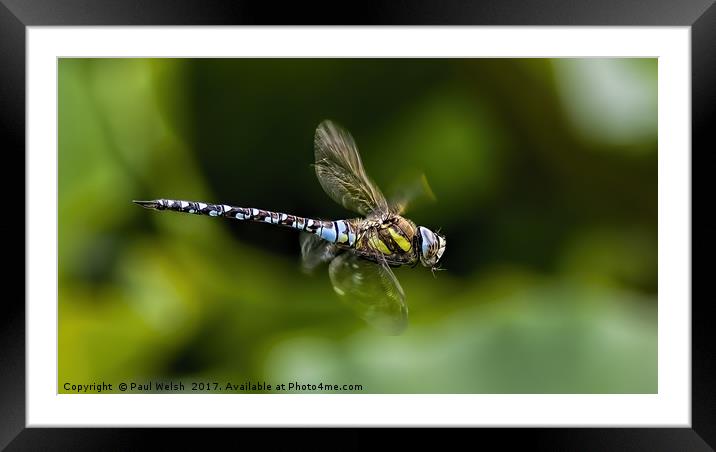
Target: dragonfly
(361,251)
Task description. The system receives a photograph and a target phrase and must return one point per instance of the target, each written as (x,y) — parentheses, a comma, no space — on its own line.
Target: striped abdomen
(341,232)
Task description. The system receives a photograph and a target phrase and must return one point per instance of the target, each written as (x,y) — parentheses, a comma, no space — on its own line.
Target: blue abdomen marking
(328,231)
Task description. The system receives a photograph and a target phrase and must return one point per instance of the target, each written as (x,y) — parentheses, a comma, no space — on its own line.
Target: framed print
(471,216)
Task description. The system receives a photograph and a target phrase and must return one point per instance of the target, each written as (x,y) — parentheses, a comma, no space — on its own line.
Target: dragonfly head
(432,246)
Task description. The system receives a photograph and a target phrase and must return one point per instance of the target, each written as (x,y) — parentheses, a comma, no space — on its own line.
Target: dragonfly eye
(432,247)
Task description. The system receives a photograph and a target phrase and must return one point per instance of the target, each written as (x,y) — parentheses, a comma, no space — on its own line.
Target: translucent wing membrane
(315,251)
(417,188)
(340,171)
(372,290)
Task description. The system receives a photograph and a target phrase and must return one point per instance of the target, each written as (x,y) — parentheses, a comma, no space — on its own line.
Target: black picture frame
(16,15)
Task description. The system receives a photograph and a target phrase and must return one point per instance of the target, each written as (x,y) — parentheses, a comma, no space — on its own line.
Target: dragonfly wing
(340,171)
(408,193)
(372,290)
(315,251)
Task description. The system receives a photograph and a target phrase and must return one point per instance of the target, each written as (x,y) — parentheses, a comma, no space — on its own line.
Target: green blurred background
(545,177)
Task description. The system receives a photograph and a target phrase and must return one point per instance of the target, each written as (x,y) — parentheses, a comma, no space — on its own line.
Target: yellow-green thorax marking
(393,239)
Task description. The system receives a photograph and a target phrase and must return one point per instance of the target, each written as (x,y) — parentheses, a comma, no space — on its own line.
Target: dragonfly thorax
(432,247)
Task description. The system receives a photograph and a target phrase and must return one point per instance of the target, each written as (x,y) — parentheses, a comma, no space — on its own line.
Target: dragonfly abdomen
(338,231)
